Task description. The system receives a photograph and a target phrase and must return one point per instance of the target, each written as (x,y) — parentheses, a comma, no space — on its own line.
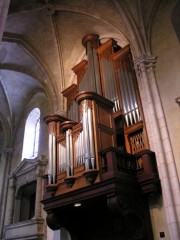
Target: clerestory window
(31,135)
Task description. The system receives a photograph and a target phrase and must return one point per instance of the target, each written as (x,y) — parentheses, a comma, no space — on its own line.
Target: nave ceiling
(42,42)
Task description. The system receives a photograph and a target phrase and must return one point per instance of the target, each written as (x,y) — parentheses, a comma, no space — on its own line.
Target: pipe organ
(104,135)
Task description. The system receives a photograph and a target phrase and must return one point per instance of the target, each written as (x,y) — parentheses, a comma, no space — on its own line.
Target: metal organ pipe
(79,149)
(132,88)
(85,135)
(91,76)
(91,79)
(110,83)
(123,94)
(69,153)
(128,96)
(52,159)
(83,86)
(73,112)
(62,158)
(90,129)
(88,136)
(66,155)
(115,98)
(131,94)
(96,72)
(130,106)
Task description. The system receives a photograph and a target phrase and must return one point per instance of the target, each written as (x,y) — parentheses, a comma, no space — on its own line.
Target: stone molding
(29,170)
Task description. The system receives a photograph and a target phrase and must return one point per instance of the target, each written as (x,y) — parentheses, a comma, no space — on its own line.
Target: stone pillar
(11,199)
(4,7)
(160,141)
(7,152)
(39,173)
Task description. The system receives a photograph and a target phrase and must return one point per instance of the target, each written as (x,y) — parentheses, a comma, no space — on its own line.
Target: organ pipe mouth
(93,38)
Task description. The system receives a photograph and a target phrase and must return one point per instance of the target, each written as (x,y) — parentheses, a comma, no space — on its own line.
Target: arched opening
(31,135)
(25,202)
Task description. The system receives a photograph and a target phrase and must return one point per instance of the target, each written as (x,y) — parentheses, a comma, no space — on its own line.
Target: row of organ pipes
(108,72)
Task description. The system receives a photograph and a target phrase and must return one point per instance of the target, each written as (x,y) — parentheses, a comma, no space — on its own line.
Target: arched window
(31,135)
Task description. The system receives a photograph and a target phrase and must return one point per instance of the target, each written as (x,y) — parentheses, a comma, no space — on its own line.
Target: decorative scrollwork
(124,204)
(144,64)
(85,105)
(118,204)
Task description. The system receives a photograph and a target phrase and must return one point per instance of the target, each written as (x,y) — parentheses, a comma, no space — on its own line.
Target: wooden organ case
(99,155)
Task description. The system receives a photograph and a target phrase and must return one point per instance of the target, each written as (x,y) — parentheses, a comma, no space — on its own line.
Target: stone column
(11,199)
(160,140)
(4,7)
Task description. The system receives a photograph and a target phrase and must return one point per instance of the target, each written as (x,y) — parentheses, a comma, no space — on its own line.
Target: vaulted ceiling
(42,42)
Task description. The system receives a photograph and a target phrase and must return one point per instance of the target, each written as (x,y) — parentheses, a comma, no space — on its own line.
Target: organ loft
(99,155)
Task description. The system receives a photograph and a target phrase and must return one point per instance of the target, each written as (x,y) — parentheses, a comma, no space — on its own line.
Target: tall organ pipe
(79,145)
(62,158)
(110,83)
(53,122)
(52,159)
(132,97)
(88,136)
(91,75)
(69,153)
(92,79)
(90,129)
(96,72)
(132,87)
(128,96)
(123,94)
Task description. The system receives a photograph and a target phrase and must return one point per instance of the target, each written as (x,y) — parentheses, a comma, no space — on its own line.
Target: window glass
(31,135)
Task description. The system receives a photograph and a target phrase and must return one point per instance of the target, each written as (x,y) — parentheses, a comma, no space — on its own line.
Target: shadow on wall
(175,18)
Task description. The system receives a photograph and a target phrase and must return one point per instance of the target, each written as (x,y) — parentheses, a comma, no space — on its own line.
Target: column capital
(144,63)
(40,168)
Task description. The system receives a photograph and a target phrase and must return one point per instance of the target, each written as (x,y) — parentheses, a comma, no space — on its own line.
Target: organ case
(104,118)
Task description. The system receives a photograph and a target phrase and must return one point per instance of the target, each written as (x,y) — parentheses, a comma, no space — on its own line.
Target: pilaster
(159,140)
(11,198)
(40,170)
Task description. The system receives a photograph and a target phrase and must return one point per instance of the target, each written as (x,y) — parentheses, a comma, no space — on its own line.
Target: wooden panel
(105,139)
(79,169)
(60,177)
(104,117)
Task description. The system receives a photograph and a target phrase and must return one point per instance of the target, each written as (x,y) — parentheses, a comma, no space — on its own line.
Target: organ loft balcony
(99,156)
